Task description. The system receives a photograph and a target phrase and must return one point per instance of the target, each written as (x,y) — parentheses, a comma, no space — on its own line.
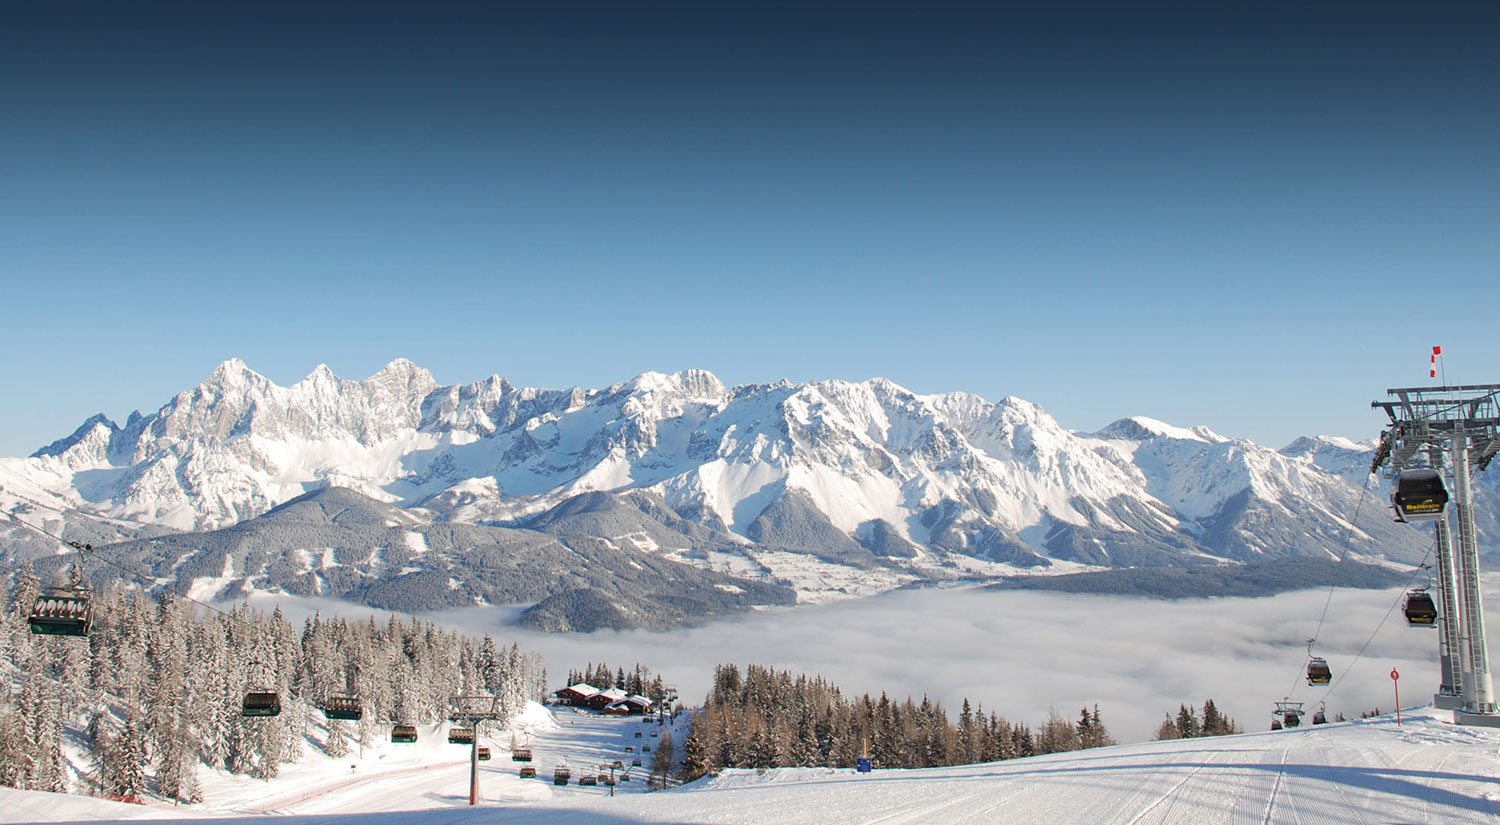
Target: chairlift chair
(587,779)
(62,611)
(484,754)
(1287,714)
(528,771)
(404,734)
(561,775)
(520,755)
(261,703)
(460,736)
(635,763)
(1418,495)
(343,707)
(1318,672)
(1420,610)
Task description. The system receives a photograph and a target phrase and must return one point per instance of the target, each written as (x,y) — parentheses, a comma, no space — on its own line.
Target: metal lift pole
(472,710)
(474,768)
(1450,690)
(1478,690)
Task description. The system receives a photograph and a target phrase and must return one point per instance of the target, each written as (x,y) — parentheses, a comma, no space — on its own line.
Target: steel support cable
(1383,619)
(134,574)
(1343,554)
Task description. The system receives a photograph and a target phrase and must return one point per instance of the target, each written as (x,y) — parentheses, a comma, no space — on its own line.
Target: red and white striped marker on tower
(1433,368)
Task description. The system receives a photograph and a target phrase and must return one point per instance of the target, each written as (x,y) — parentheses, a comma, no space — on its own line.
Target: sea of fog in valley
(1023,653)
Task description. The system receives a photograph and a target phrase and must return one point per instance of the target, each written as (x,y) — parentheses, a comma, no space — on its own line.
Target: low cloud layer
(1022,653)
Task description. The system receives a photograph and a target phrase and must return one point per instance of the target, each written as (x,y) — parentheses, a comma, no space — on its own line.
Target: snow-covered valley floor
(1371,771)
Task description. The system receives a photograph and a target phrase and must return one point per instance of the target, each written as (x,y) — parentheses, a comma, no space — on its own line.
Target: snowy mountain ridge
(946,479)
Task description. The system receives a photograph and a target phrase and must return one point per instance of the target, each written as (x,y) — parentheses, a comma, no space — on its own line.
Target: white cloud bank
(1022,653)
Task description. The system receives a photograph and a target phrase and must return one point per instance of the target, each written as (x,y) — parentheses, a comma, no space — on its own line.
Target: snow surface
(1425,770)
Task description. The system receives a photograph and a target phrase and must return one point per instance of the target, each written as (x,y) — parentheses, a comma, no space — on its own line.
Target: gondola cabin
(261,703)
(1320,718)
(404,734)
(528,771)
(62,613)
(1420,609)
(1291,720)
(460,736)
(635,763)
(1275,724)
(1318,672)
(1418,495)
(484,754)
(343,707)
(520,755)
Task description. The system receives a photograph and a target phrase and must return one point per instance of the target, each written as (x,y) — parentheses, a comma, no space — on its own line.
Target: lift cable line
(1459,423)
(1383,619)
(1305,670)
(260,700)
(86,549)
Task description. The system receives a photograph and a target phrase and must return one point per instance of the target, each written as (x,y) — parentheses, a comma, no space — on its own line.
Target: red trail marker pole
(1395,677)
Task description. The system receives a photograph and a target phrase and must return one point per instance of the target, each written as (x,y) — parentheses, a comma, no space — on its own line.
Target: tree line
(762,718)
(156,689)
(1187,724)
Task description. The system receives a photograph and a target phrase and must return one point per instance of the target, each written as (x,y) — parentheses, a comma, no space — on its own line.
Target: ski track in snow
(1366,772)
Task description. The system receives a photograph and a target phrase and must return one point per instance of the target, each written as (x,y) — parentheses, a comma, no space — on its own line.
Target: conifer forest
(154,692)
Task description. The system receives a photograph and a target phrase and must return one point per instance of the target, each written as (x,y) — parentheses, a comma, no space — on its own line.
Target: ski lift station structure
(1458,426)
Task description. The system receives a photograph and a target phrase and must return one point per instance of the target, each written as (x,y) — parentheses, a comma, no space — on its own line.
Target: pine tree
(696,750)
(1168,729)
(1056,735)
(1187,722)
(337,744)
(1091,730)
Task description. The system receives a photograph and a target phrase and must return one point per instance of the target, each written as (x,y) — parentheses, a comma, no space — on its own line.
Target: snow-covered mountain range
(834,486)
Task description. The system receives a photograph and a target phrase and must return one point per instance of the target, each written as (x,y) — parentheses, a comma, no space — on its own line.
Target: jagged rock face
(858,474)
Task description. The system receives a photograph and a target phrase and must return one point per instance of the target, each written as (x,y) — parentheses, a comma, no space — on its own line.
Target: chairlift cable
(89,551)
(1343,554)
(262,704)
(1399,597)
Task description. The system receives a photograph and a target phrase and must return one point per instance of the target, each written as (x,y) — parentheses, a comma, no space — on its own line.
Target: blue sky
(1253,217)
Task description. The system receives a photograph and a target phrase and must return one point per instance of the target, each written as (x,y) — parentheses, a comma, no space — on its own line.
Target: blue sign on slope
(862,765)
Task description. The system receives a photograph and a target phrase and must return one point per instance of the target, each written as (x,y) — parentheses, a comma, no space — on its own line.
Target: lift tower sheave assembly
(472,710)
(1464,422)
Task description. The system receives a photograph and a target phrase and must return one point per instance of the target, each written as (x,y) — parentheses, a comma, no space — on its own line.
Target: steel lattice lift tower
(1463,422)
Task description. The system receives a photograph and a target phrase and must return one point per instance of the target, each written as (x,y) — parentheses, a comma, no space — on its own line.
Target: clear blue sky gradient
(1254,217)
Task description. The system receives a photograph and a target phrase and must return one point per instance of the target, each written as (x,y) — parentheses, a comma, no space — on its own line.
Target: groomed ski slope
(1369,771)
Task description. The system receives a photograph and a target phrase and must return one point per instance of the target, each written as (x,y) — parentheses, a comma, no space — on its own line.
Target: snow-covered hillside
(860,475)
(1424,771)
